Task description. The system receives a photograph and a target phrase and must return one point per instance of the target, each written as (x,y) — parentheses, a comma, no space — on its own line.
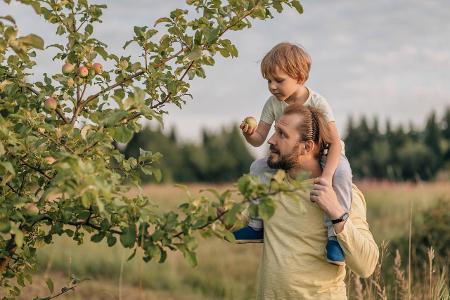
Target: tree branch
(36,169)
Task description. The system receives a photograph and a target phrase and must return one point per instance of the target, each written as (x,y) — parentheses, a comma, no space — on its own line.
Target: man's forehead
(288,122)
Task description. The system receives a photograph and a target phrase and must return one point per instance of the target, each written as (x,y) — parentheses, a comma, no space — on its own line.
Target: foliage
(60,172)
(397,154)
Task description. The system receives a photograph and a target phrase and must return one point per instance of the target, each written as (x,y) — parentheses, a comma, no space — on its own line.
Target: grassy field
(225,271)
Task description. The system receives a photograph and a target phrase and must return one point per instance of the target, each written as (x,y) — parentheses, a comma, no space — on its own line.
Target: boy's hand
(248,126)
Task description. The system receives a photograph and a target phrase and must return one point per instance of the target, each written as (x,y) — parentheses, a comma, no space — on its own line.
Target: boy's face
(281,85)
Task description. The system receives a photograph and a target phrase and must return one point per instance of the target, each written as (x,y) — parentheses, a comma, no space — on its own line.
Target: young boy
(286,68)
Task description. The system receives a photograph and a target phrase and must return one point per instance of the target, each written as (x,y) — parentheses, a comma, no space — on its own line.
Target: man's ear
(309,147)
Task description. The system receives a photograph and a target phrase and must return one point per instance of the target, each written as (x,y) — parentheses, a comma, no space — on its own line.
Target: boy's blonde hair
(289,58)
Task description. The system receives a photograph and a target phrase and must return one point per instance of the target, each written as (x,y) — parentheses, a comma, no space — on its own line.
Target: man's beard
(284,162)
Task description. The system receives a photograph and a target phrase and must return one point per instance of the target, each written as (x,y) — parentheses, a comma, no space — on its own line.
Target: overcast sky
(386,58)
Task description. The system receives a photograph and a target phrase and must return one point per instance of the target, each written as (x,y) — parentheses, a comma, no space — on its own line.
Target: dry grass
(228,271)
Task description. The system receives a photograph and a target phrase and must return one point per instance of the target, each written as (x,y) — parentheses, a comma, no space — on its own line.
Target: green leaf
(132,255)
(296,4)
(8,167)
(229,236)
(157,174)
(163,20)
(123,134)
(102,52)
(195,53)
(111,240)
(9,18)
(266,209)
(89,29)
(2,149)
(96,238)
(128,236)
(50,285)
(163,256)
(33,40)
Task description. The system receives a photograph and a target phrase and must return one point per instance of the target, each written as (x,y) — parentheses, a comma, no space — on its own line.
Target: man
(293,265)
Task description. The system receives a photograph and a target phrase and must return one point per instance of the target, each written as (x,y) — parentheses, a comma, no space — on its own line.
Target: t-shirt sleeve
(268,114)
(361,251)
(322,104)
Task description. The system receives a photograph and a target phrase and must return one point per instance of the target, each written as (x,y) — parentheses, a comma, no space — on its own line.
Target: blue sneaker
(249,235)
(335,254)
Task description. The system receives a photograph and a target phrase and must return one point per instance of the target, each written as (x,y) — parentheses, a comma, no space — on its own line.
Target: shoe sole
(249,241)
(337,263)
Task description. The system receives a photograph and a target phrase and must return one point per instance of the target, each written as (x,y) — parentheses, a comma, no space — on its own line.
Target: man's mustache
(273,149)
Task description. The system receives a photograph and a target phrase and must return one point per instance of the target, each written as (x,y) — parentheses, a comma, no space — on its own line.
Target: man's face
(281,85)
(285,143)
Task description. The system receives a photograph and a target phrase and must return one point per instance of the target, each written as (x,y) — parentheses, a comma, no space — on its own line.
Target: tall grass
(228,271)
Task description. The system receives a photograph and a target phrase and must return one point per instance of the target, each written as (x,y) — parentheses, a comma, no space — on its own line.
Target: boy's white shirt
(273,109)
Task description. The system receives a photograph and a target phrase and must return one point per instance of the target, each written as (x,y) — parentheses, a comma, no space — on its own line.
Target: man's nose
(271,141)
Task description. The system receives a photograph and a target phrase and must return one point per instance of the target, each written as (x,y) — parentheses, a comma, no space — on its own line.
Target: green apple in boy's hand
(249,125)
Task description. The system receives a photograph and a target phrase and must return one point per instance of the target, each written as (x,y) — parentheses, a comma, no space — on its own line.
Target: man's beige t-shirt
(294,266)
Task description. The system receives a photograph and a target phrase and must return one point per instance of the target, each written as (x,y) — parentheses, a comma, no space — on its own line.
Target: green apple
(31,209)
(98,68)
(251,122)
(68,68)
(79,80)
(70,82)
(123,64)
(50,103)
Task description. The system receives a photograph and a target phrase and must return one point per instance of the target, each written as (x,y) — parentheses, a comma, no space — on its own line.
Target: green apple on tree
(50,104)
(98,68)
(68,68)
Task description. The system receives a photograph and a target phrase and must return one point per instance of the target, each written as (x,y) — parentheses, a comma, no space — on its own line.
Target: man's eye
(280,80)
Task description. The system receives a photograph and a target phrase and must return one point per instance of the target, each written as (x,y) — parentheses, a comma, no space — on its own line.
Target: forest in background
(396,153)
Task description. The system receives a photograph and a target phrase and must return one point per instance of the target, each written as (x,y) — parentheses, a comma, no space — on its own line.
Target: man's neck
(312,167)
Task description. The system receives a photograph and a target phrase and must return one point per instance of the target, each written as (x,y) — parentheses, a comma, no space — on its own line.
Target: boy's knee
(258,167)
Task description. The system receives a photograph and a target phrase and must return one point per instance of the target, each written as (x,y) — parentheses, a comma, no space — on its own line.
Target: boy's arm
(258,137)
(334,153)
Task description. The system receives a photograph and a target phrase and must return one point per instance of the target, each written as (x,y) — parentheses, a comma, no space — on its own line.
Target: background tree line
(394,153)
(219,157)
(399,153)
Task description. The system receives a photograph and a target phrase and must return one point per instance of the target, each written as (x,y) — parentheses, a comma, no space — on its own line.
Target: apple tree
(60,170)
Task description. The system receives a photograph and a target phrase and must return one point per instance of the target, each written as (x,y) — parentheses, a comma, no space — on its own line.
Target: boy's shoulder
(316,97)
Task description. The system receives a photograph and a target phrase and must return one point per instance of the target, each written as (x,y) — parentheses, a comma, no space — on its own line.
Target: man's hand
(323,194)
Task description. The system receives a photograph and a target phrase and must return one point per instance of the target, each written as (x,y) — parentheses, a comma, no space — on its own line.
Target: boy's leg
(342,186)
(254,231)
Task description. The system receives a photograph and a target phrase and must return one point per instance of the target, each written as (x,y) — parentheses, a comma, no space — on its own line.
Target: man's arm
(354,236)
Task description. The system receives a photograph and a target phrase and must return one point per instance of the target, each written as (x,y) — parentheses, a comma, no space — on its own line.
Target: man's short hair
(289,58)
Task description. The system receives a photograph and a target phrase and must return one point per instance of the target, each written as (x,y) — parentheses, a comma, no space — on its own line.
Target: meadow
(228,271)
